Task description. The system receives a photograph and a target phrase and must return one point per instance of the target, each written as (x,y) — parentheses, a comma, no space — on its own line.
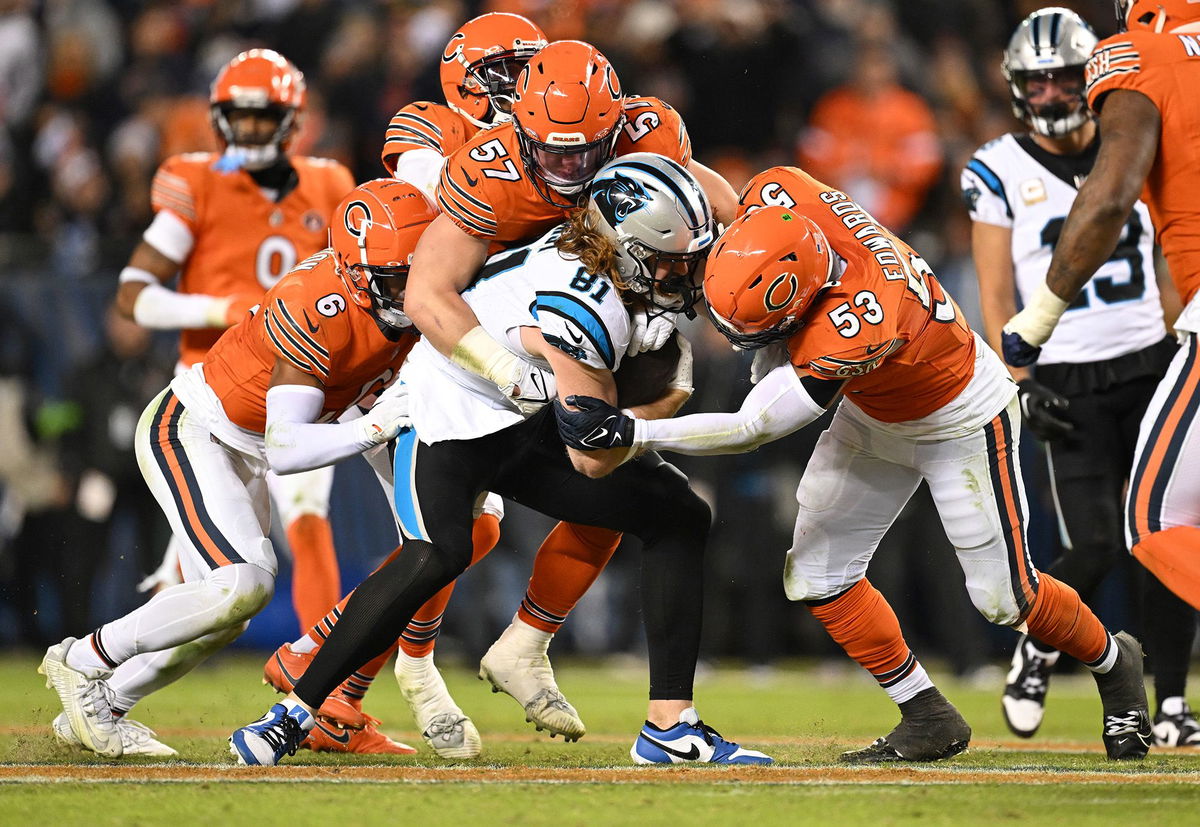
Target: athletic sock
(1059,618)
(420,636)
(316,582)
(568,562)
(865,626)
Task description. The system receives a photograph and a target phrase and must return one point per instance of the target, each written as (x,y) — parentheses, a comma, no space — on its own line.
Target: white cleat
(136,737)
(449,732)
(518,665)
(86,700)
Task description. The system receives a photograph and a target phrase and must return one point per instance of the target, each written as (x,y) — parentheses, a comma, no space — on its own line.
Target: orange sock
(419,637)
(568,562)
(1173,556)
(863,624)
(1060,619)
(315,580)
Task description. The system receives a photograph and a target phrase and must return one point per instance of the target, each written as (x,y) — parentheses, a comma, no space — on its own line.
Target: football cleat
(517,664)
(1024,699)
(690,741)
(368,740)
(284,668)
(449,732)
(1178,730)
(278,733)
(1127,731)
(86,699)
(930,729)
(136,737)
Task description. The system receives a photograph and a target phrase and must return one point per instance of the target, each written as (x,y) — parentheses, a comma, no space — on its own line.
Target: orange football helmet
(764,273)
(481,62)
(265,81)
(373,234)
(1155,15)
(567,115)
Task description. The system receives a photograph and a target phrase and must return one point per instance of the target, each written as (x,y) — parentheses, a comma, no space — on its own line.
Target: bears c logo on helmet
(774,299)
(357,217)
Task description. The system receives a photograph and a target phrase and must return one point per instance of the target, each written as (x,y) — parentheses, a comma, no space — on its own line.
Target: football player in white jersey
(560,302)
(1096,374)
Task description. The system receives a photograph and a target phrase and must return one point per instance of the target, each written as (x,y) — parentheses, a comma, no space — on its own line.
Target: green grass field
(802,716)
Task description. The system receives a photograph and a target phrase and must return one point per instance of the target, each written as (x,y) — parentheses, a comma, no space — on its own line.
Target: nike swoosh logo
(290,677)
(344,737)
(577,339)
(876,348)
(470,181)
(312,328)
(691,755)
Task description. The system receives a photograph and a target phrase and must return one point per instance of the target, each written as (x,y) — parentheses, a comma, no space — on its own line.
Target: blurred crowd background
(885,99)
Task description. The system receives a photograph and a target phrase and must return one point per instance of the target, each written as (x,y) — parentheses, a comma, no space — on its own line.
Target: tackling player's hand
(388,416)
(649,333)
(1045,411)
(766,359)
(594,425)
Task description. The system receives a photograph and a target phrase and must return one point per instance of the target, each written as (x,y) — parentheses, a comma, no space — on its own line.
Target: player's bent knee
(996,605)
(243,589)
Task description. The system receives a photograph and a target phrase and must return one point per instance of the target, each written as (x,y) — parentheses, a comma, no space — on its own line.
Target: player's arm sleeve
(296,442)
(783,402)
(291,339)
(985,195)
(1115,63)
(573,323)
(409,129)
(462,197)
(422,168)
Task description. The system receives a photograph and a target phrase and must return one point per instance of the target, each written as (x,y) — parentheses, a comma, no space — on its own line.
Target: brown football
(643,378)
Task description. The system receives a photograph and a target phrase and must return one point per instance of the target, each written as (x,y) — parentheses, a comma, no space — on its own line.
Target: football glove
(594,426)
(1044,410)
(649,333)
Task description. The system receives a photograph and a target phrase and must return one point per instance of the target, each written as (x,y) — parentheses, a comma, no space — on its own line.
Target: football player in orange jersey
(326,337)
(232,224)
(843,309)
(1139,81)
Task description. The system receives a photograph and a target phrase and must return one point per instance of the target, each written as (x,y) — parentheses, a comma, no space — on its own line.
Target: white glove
(387,417)
(530,387)
(682,380)
(649,334)
(766,359)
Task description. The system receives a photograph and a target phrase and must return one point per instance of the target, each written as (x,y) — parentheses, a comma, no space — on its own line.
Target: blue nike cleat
(280,732)
(690,741)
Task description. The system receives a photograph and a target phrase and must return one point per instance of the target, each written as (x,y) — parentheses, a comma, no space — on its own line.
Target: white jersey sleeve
(592,330)
(984,191)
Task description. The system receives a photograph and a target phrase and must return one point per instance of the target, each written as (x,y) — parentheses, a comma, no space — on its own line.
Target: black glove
(1017,351)
(1044,410)
(595,426)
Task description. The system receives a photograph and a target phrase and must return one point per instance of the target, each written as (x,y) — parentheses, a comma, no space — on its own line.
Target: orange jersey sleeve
(178,183)
(485,190)
(424,125)
(244,242)
(1166,69)
(653,126)
(309,321)
(887,325)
